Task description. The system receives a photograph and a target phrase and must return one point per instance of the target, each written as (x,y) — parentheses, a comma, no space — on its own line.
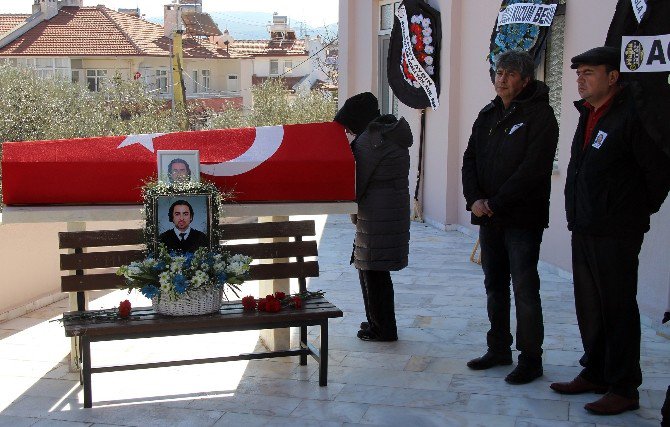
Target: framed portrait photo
(178,166)
(183,222)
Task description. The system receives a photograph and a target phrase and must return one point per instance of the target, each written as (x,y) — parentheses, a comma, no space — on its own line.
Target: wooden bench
(88,276)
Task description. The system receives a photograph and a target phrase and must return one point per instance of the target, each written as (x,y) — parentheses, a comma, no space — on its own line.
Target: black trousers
(605,275)
(513,252)
(377,289)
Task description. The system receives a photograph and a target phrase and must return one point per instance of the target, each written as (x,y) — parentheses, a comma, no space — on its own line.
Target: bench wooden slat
(275,249)
(99,238)
(101,281)
(224,320)
(91,260)
(99,259)
(267,230)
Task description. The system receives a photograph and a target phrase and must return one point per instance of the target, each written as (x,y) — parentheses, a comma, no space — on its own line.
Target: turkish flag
(306,162)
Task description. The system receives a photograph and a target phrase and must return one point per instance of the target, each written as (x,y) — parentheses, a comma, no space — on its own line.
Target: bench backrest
(114,248)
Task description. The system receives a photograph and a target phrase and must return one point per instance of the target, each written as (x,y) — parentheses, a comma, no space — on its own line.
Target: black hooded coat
(382,192)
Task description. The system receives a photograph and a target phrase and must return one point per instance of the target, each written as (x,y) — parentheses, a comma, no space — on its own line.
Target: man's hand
(490,211)
(481,208)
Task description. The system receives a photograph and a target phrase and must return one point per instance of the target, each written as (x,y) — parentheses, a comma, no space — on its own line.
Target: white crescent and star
(266,143)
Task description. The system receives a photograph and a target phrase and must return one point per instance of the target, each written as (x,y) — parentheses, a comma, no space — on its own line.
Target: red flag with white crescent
(306,162)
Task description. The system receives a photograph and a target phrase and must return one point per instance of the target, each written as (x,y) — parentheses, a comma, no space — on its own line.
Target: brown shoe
(612,404)
(578,386)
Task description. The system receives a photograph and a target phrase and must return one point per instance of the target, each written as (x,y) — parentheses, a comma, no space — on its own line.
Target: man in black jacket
(617,177)
(506,183)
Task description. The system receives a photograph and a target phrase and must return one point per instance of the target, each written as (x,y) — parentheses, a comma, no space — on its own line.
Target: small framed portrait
(178,166)
(183,222)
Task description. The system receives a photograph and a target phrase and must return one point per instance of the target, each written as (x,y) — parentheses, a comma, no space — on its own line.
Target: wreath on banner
(422,48)
(527,37)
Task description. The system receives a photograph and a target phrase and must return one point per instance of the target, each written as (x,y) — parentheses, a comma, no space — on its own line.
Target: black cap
(358,111)
(604,55)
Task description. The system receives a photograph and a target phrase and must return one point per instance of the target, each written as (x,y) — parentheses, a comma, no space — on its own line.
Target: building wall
(465,88)
(262,65)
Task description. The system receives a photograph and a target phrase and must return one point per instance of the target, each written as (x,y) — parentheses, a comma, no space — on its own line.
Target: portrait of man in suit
(181,235)
(178,166)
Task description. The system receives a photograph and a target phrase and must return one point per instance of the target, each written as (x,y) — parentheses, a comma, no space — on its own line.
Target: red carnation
(262,304)
(421,57)
(124,309)
(270,297)
(249,303)
(280,295)
(419,46)
(415,29)
(297,301)
(273,306)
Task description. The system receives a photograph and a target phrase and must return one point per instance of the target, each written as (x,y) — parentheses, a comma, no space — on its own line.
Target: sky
(313,12)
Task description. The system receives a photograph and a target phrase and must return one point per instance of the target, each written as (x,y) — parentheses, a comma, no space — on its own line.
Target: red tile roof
(269,47)
(99,31)
(7,22)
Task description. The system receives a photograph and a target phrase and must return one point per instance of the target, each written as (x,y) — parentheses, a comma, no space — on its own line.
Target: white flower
(413,39)
(430,70)
(237,268)
(419,18)
(425,22)
(427,31)
(427,40)
(429,50)
(429,60)
(415,19)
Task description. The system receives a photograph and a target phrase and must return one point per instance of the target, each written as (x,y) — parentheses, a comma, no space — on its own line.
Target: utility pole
(178,88)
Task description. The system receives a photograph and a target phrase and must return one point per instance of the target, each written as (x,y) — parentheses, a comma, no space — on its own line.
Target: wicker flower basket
(194,303)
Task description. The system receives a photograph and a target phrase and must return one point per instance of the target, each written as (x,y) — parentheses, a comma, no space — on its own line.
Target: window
(233,83)
(274,67)
(206,80)
(288,65)
(76,76)
(95,79)
(388,101)
(162,81)
(46,67)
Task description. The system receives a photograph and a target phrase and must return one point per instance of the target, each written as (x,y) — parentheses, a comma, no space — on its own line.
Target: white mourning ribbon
(414,66)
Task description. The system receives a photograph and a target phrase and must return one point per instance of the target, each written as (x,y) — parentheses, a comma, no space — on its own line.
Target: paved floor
(420,380)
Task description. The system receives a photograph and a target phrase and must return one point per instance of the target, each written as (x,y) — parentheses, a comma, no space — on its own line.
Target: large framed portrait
(183,222)
(178,166)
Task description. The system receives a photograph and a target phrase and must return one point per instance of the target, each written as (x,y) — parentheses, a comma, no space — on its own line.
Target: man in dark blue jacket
(506,183)
(617,178)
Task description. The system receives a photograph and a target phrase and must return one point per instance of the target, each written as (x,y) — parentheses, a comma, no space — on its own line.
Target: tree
(272,105)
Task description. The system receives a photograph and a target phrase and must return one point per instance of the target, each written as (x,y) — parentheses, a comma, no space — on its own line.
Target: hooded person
(381,150)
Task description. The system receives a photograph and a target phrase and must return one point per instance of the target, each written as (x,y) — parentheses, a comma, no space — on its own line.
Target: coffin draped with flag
(292,163)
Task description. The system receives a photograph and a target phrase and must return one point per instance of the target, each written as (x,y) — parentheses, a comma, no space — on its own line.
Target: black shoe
(489,360)
(365,325)
(368,335)
(523,374)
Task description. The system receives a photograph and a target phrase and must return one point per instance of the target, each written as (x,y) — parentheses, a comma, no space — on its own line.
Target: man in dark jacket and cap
(381,151)
(506,183)
(617,177)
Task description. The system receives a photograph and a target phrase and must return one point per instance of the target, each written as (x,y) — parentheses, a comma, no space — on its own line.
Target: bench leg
(323,359)
(86,371)
(303,344)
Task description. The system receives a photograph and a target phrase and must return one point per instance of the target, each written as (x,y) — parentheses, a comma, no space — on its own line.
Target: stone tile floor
(420,380)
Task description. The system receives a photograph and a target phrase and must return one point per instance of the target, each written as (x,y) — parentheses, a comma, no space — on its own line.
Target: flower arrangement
(173,275)
(514,36)
(422,48)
